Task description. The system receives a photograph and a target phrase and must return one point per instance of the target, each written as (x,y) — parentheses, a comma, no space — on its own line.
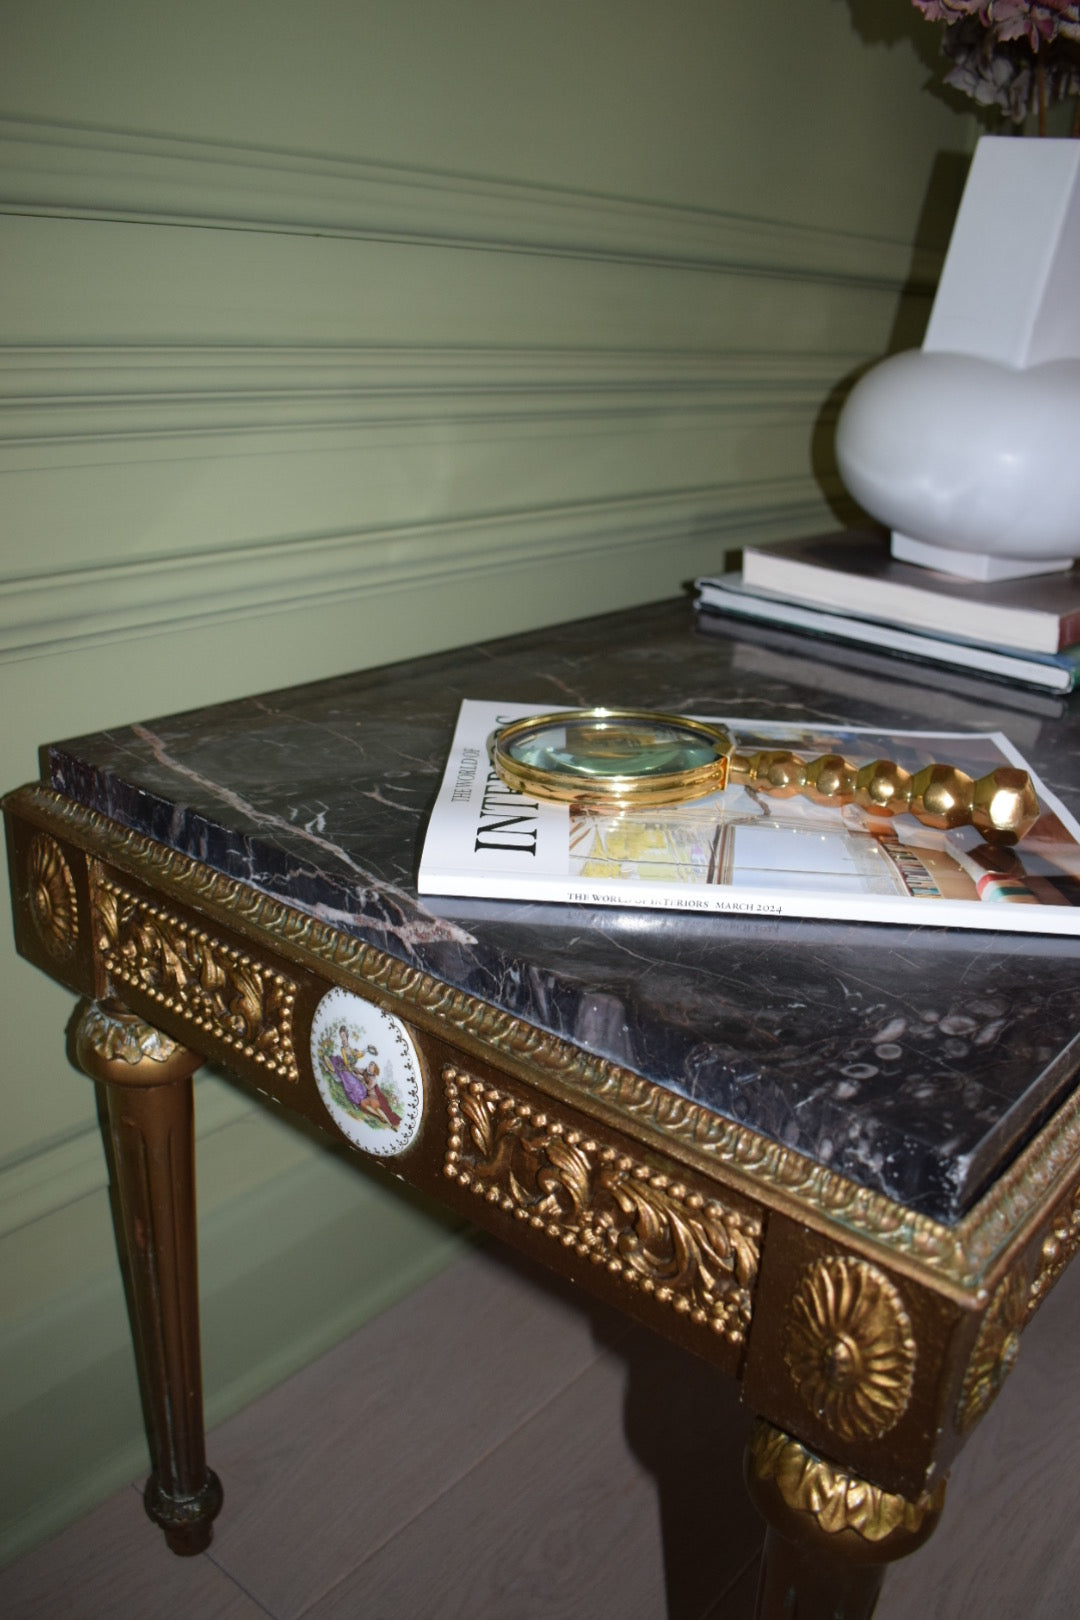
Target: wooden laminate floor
(496,1448)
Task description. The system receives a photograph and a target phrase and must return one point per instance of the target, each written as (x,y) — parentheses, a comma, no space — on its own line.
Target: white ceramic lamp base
(980,565)
(967,448)
(974,465)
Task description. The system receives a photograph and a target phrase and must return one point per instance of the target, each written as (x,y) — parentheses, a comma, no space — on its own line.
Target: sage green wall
(336,332)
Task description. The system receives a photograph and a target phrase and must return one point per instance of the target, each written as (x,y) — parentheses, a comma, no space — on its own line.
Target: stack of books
(848,588)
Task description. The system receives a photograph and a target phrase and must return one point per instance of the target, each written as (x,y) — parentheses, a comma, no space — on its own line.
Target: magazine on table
(744,851)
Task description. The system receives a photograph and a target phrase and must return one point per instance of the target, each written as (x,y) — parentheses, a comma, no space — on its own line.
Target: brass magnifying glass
(630,758)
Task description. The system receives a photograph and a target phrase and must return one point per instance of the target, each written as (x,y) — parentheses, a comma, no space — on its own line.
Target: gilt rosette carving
(996,1348)
(221,990)
(836,1499)
(51,889)
(849,1347)
(689,1252)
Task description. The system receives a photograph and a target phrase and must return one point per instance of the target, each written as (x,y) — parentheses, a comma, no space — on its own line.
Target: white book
(854,572)
(744,852)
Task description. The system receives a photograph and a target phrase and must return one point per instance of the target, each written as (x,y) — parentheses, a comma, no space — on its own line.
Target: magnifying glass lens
(596,747)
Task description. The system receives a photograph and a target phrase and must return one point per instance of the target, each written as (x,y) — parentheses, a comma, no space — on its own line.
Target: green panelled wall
(335,332)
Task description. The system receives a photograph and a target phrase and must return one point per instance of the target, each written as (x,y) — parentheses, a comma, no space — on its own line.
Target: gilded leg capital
(121,1049)
(782,1474)
(830,1533)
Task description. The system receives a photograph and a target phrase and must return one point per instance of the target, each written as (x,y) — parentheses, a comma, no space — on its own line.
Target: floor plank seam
(478,1462)
(208,1557)
(271,1614)
(715,1609)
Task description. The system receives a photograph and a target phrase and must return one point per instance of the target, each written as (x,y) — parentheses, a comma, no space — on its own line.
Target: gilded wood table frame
(869,1339)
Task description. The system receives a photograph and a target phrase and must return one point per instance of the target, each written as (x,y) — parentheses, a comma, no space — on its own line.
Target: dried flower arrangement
(1017,55)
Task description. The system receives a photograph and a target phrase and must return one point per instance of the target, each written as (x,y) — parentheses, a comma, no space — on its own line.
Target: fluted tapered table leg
(830,1534)
(146,1079)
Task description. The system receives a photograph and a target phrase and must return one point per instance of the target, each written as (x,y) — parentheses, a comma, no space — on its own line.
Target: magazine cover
(744,851)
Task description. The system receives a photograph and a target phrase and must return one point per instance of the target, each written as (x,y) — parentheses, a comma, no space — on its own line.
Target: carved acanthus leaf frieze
(218,989)
(1058,1247)
(692,1253)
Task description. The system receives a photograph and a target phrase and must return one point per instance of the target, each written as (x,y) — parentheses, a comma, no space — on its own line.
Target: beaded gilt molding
(959,1255)
(690,1252)
(221,990)
(1061,1242)
(1014,1303)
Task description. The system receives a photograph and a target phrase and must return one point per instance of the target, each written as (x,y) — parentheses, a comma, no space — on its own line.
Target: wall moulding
(53,393)
(70,171)
(51,612)
(53,1175)
(153,485)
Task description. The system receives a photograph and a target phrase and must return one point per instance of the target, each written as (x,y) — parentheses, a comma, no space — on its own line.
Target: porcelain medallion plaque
(368,1073)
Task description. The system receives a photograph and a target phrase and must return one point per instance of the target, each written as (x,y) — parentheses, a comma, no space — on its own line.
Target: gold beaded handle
(1002,805)
(636,758)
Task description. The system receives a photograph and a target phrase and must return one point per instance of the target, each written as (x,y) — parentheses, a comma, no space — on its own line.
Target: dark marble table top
(914,1060)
